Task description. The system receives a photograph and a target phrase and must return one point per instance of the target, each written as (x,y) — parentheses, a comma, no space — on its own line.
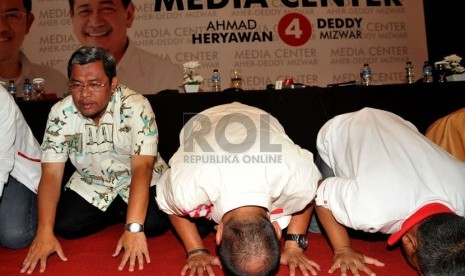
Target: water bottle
(366,75)
(12,89)
(216,81)
(409,73)
(427,72)
(27,90)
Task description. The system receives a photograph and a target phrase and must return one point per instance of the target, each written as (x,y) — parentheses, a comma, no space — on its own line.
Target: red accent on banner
(294,29)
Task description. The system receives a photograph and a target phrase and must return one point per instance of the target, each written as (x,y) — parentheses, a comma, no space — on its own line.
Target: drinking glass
(38,85)
(441,70)
(236,78)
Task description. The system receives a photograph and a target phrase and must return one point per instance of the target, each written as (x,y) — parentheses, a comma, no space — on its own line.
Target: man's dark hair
(89,54)
(249,247)
(441,245)
(27,5)
(71,4)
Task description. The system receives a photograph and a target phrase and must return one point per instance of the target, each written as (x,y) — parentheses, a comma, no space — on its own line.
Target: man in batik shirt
(109,134)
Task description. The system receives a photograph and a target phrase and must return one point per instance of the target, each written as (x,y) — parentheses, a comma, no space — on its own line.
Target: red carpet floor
(92,256)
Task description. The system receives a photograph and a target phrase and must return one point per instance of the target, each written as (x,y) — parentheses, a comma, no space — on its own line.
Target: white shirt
(55,82)
(385,171)
(146,73)
(102,153)
(19,149)
(208,179)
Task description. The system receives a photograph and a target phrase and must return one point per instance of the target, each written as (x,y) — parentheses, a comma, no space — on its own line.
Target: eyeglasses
(78,87)
(13,16)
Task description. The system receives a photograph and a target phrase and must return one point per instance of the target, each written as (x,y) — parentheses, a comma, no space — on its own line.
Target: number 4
(293,29)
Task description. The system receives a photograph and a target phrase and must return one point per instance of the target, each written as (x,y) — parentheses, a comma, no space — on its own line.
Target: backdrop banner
(315,42)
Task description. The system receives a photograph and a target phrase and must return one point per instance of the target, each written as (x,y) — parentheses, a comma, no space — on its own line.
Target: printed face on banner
(14,25)
(102,23)
(315,43)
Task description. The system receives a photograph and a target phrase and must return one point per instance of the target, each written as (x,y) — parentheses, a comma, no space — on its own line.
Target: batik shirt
(102,153)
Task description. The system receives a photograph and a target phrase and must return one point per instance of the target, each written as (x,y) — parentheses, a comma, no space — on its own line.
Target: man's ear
(410,247)
(29,19)
(278,229)
(130,15)
(409,242)
(114,83)
(219,233)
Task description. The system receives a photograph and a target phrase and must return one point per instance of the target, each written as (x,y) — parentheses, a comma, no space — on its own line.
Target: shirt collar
(421,214)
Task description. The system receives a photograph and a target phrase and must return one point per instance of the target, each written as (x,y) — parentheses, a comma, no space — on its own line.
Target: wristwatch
(300,239)
(134,227)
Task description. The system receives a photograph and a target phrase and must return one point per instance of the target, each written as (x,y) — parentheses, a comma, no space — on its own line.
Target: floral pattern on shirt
(101,153)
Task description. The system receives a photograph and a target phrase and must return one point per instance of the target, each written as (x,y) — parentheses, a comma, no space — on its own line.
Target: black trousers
(76,218)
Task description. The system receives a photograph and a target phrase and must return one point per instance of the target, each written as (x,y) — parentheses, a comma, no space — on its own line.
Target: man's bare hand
(295,258)
(348,259)
(200,264)
(135,249)
(43,246)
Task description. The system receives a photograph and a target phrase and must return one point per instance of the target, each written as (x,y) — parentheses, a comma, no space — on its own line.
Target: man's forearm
(138,201)
(337,233)
(47,199)
(141,170)
(299,221)
(187,231)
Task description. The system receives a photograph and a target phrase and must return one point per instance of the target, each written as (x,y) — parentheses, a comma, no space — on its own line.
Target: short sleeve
(54,145)
(144,130)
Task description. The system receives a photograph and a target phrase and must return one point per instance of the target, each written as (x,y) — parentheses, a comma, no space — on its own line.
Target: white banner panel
(316,42)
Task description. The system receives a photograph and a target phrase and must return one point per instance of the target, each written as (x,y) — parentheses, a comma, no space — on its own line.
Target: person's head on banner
(103,23)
